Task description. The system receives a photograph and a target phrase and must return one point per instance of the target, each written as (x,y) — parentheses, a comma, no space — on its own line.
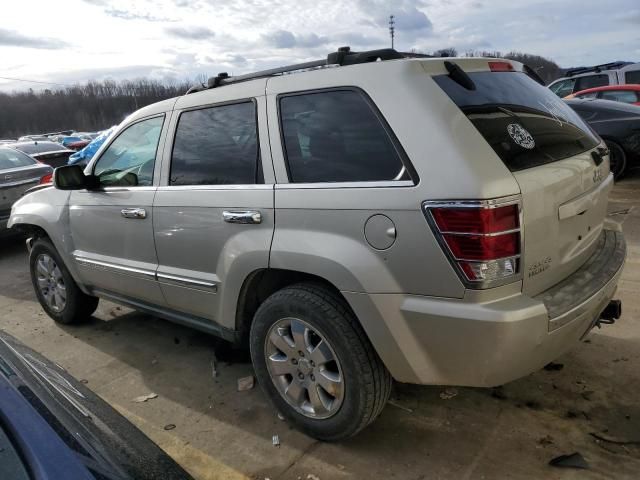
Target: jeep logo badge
(520,136)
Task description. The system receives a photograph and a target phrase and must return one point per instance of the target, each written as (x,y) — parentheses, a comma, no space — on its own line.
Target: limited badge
(520,136)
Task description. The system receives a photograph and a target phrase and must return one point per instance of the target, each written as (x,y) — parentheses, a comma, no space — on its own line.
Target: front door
(112,225)
(213,213)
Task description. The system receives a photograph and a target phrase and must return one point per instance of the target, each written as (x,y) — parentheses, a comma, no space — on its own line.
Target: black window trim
(108,146)
(259,166)
(397,146)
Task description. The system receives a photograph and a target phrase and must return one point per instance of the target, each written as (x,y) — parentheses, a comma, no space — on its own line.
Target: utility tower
(392,28)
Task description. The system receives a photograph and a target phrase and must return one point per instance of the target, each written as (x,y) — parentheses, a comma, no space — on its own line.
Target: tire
(56,290)
(617,158)
(360,384)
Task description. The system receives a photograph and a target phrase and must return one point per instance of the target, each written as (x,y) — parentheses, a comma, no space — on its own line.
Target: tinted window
(591,81)
(130,158)
(524,122)
(625,96)
(632,77)
(336,137)
(12,159)
(216,146)
(563,88)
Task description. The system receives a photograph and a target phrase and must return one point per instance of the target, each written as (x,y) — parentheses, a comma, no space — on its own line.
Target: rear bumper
(459,342)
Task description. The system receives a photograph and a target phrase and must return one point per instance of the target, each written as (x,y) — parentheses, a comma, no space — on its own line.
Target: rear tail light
(481,239)
(48,178)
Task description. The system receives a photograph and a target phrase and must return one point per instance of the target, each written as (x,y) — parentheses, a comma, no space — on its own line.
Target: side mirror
(71,177)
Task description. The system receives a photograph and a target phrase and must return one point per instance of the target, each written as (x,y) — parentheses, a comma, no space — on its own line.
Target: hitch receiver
(611,313)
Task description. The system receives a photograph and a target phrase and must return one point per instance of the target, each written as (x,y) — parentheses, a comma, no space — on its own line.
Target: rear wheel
(617,159)
(56,290)
(316,364)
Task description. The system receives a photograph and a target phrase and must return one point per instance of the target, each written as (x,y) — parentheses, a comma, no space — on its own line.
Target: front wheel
(56,290)
(314,361)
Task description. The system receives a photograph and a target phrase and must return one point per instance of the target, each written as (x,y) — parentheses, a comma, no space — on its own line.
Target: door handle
(242,216)
(139,213)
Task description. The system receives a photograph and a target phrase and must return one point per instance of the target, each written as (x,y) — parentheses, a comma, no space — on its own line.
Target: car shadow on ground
(594,391)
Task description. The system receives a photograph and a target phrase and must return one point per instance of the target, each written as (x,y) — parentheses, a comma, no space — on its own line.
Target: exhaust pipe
(611,313)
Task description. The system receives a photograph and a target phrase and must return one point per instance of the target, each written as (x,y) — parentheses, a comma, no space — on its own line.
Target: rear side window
(632,77)
(217,146)
(524,122)
(591,81)
(12,159)
(626,96)
(336,136)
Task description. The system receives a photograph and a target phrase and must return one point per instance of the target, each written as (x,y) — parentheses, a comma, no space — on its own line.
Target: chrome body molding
(112,267)
(147,274)
(186,282)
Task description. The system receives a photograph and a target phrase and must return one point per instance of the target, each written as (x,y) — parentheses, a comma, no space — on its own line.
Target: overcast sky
(73,41)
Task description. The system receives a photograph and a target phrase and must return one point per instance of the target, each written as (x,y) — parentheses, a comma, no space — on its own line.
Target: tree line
(91,107)
(98,105)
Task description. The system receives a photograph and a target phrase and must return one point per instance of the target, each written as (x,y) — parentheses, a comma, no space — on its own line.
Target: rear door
(213,213)
(554,157)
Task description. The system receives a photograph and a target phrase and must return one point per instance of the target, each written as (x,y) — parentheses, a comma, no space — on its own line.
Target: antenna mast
(392,28)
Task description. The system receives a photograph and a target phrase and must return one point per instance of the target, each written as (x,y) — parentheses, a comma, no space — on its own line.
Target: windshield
(524,122)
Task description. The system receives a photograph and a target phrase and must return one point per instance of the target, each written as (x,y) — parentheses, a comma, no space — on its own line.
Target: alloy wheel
(304,368)
(51,283)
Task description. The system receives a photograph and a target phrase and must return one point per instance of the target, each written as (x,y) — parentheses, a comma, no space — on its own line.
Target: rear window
(12,159)
(39,147)
(524,122)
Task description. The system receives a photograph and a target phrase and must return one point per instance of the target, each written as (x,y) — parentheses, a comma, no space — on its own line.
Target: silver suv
(435,221)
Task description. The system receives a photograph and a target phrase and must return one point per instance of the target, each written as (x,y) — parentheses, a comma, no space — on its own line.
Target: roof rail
(343,56)
(596,68)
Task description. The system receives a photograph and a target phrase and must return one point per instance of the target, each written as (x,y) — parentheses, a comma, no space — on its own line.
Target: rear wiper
(459,76)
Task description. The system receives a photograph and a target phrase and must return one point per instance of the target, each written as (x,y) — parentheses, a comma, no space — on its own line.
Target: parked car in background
(69,139)
(618,93)
(6,141)
(83,156)
(47,152)
(410,241)
(18,173)
(578,79)
(53,427)
(619,126)
(37,138)
(79,145)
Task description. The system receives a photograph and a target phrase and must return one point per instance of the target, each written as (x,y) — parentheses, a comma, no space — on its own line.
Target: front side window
(217,146)
(626,96)
(335,136)
(130,159)
(563,88)
(591,81)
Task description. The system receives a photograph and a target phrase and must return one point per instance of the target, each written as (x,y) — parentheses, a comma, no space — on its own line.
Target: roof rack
(596,68)
(344,56)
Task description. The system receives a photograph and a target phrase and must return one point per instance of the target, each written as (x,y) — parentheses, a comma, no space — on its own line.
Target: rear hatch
(559,163)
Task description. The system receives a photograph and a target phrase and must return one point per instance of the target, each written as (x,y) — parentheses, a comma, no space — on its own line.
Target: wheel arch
(260,284)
